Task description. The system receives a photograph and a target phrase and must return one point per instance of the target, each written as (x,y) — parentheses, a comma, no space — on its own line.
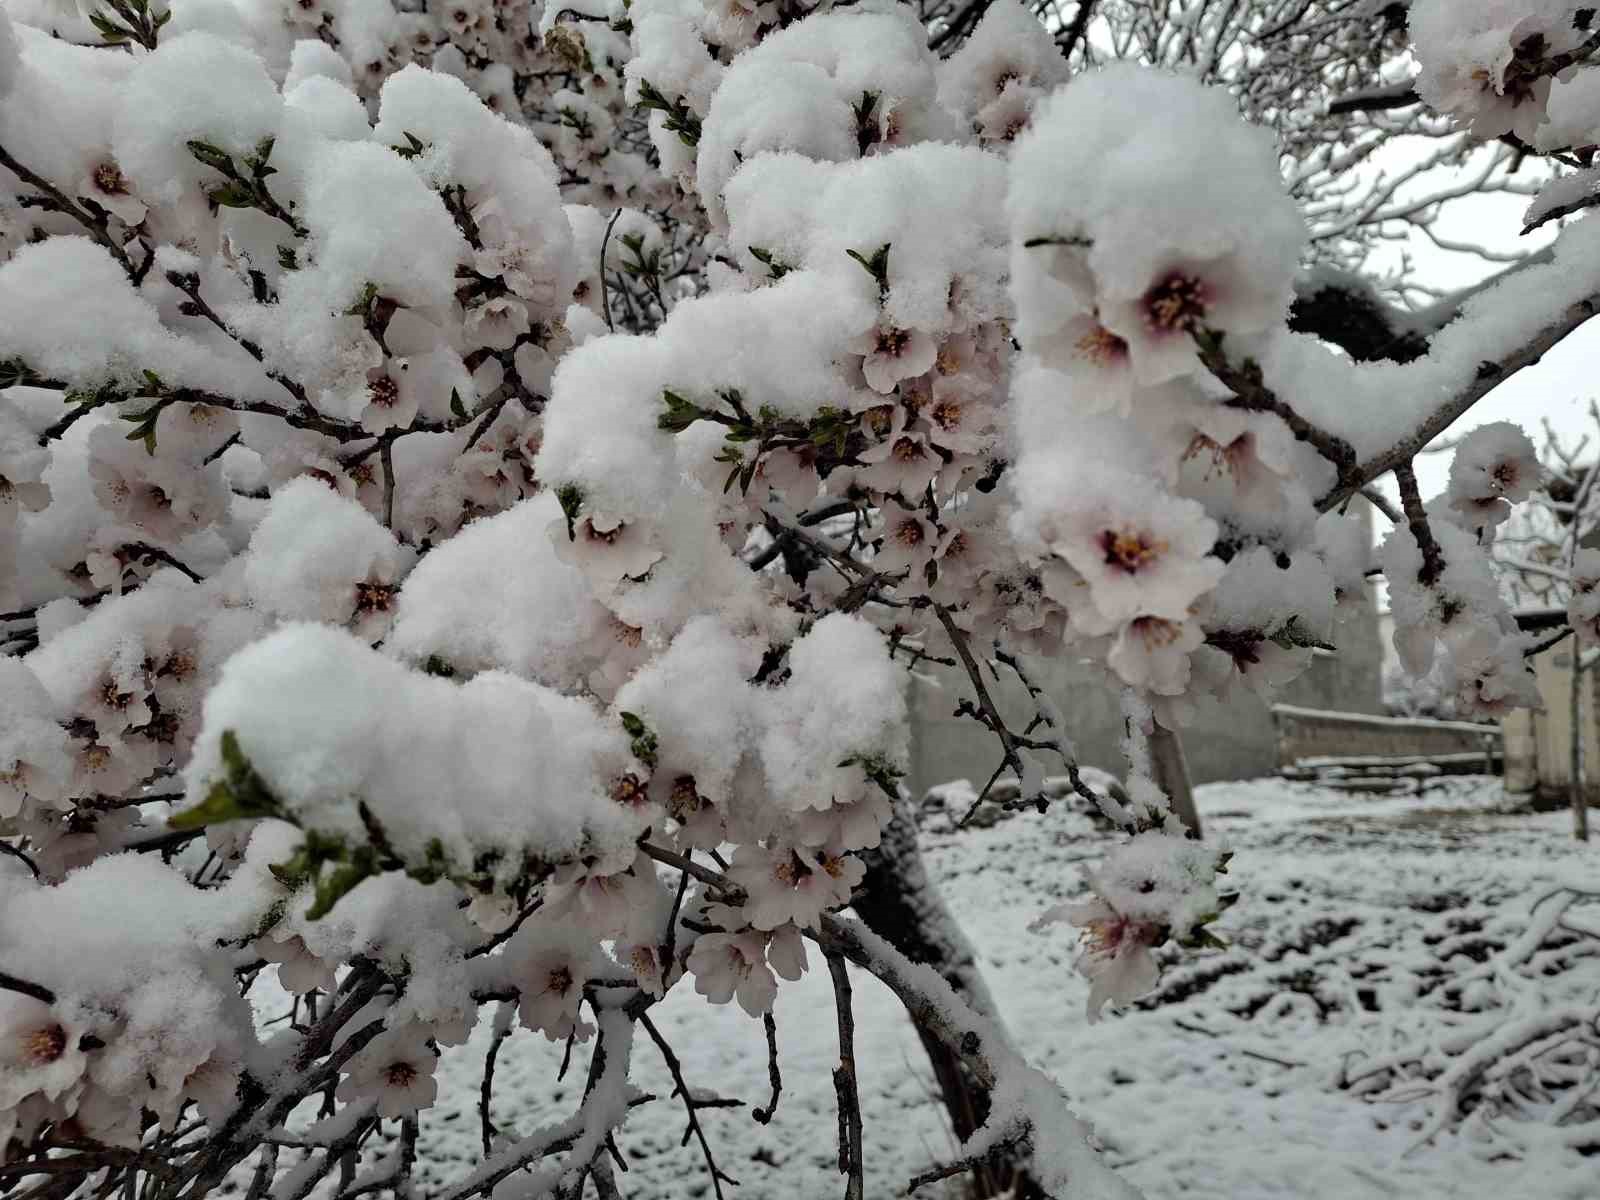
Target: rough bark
(899,903)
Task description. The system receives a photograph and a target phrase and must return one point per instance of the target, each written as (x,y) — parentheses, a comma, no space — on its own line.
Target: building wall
(1539,744)
(1236,743)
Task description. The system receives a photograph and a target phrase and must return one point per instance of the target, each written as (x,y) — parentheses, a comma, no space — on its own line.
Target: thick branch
(1490,375)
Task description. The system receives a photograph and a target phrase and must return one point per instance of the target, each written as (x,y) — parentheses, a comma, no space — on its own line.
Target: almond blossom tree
(389,603)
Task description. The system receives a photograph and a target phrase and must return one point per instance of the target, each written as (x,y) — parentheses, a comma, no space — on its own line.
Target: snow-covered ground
(1223,1085)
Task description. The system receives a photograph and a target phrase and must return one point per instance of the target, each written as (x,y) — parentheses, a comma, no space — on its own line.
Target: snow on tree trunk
(901,904)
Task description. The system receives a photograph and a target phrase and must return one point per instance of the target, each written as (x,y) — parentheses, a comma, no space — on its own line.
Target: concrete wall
(1237,743)
(1539,744)
(1308,735)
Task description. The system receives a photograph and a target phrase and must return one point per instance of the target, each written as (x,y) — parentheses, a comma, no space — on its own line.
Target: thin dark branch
(18,853)
(691,1107)
(1400,95)
(734,893)
(669,948)
(386,457)
(1074,33)
(486,1089)
(990,715)
(1381,502)
(605,293)
(1417,519)
(11,983)
(60,202)
(765,1115)
(1548,643)
(846,1086)
(997,1153)
(1251,393)
(146,550)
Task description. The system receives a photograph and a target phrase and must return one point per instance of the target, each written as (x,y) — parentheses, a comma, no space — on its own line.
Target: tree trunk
(1580,798)
(1172,775)
(899,903)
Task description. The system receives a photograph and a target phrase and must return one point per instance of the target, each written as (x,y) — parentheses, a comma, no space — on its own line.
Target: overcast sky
(1558,387)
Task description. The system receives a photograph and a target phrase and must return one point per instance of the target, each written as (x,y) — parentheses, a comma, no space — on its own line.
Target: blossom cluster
(490,650)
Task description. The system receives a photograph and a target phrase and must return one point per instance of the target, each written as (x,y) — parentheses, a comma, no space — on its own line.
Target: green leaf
(233,194)
(570,497)
(15,373)
(679,413)
(363,301)
(880,770)
(439,667)
(776,268)
(413,147)
(287,259)
(212,156)
(341,881)
(645,744)
(111,33)
(434,866)
(877,265)
(257,162)
(456,407)
(240,794)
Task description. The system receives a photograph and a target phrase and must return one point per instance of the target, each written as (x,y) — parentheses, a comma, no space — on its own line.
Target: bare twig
(60,202)
(846,1087)
(1417,518)
(386,457)
(11,983)
(486,1089)
(605,295)
(765,1115)
(734,893)
(691,1107)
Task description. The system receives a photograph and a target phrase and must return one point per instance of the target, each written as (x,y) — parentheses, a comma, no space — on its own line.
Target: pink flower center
(947,415)
(400,1074)
(684,799)
(1101,347)
(1178,302)
(1155,631)
(374,597)
(1107,936)
(892,342)
(627,789)
(109,180)
(1130,551)
(908,450)
(383,391)
(44,1045)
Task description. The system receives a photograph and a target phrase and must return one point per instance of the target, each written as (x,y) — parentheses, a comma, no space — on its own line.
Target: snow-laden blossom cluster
(473,483)
(1492,63)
